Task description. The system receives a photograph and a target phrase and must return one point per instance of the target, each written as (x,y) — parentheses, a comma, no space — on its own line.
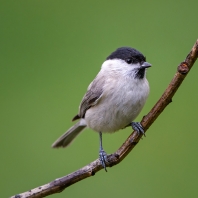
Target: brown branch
(60,184)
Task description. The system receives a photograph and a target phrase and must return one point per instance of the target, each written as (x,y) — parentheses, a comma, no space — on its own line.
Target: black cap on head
(128,54)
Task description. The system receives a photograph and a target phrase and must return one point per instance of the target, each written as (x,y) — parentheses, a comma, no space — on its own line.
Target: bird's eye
(129,61)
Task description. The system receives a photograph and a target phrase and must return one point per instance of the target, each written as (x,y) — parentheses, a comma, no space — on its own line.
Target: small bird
(113,99)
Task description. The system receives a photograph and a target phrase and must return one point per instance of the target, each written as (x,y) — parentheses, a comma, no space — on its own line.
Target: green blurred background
(50,51)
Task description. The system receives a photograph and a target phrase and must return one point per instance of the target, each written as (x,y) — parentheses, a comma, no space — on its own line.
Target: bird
(113,99)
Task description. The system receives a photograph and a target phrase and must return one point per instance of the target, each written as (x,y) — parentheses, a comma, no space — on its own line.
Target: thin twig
(60,184)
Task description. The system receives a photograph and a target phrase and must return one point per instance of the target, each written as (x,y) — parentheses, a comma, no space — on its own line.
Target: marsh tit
(113,99)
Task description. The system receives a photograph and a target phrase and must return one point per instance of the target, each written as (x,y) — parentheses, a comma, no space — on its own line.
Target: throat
(140,74)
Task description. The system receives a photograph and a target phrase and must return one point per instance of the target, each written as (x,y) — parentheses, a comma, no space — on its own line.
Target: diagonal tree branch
(60,184)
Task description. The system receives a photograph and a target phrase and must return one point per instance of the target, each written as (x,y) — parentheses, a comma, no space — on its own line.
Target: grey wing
(91,97)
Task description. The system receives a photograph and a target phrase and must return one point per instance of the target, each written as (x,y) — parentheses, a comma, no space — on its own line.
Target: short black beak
(145,65)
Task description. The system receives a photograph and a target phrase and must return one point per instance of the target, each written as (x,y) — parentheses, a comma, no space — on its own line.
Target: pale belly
(116,110)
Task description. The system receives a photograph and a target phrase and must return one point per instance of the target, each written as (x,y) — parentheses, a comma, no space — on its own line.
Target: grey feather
(92,96)
(69,136)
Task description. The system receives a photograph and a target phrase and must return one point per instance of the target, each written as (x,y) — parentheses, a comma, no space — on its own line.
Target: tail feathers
(68,136)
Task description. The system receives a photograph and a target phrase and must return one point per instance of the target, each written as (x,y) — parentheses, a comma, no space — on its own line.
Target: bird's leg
(102,153)
(138,127)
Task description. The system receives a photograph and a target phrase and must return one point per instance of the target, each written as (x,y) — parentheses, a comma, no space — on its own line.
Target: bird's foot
(103,158)
(138,127)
